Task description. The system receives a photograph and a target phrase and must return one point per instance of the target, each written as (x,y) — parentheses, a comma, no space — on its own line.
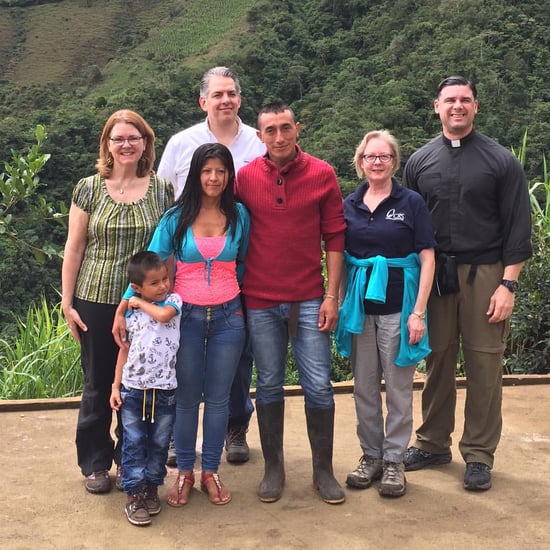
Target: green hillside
(54,42)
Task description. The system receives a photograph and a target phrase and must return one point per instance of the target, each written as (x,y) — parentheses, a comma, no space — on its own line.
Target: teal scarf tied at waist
(352,313)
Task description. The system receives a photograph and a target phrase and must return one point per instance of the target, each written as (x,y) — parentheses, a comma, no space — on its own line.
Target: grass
(43,361)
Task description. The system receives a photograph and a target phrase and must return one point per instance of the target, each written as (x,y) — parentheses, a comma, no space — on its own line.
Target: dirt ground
(45,506)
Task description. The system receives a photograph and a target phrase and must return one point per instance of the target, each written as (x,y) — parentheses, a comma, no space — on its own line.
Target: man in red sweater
(295,206)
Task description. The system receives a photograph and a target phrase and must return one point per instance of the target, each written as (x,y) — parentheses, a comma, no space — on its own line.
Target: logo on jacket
(396,216)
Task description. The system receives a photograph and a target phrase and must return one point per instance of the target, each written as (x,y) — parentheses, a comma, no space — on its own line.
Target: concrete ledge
(339,387)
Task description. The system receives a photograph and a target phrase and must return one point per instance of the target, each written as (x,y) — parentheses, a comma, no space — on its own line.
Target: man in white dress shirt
(220,98)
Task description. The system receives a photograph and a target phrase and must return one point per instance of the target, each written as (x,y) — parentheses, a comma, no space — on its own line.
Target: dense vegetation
(346,66)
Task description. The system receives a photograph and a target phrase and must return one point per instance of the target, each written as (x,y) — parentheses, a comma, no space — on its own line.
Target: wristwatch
(512,286)
(420,314)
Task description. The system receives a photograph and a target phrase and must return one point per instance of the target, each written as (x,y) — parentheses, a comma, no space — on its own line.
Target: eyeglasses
(132,140)
(370,159)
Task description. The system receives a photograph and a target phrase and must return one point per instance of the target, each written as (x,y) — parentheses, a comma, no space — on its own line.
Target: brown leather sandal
(218,493)
(180,491)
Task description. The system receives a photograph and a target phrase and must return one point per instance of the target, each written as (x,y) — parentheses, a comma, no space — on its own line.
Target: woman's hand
(416,327)
(74,321)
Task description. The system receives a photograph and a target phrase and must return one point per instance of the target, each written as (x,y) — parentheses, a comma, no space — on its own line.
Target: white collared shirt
(176,159)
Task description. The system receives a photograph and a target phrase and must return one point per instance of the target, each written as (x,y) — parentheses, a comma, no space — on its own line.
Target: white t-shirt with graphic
(153,347)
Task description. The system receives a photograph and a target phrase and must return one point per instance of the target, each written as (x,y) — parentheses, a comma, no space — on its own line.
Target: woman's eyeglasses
(132,140)
(370,159)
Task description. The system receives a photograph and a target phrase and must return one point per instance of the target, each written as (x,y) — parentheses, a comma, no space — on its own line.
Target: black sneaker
(416,459)
(136,510)
(236,445)
(477,477)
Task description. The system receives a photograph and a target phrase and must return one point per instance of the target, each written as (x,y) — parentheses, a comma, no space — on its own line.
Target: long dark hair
(188,205)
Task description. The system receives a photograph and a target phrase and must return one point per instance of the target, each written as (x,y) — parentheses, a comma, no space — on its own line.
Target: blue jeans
(145,443)
(211,342)
(268,329)
(240,403)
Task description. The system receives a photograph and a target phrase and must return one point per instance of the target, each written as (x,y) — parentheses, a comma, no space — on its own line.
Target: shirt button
(279,181)
(279,200)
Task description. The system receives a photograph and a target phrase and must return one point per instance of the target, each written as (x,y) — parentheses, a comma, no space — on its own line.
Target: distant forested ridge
(345,66)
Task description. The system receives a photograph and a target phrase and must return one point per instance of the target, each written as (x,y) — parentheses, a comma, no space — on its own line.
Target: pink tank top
(207,283)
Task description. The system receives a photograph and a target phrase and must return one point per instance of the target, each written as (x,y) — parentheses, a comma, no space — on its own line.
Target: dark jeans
(98,354)
(146,440)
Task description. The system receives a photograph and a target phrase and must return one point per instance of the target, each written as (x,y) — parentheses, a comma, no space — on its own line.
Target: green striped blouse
(116,231)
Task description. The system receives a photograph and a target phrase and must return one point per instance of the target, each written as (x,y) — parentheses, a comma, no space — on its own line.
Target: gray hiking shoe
(368,470)
(393,482)
(136,510)
(236,445)
(98,482)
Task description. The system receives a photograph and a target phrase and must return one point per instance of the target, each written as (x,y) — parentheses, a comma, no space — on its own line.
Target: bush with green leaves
(528,349)
(43,360)
(21,203)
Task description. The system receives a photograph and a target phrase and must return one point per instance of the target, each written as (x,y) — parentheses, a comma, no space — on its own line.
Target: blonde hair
(381,134)
(104,164)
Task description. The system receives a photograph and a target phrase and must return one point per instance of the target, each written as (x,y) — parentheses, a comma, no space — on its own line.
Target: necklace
(122,188)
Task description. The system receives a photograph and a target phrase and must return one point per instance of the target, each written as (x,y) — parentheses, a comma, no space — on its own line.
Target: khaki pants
(452,318)
(373,355)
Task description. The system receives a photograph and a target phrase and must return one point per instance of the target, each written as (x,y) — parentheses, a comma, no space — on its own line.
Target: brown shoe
(152,500)
(136,510)
(98,482)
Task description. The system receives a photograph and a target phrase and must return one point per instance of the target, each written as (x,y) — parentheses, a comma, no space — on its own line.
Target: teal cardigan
(352,313)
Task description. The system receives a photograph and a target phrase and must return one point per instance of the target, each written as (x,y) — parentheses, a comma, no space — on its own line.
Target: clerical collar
(458,143)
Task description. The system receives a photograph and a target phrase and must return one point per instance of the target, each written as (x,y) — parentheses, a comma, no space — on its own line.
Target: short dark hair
(141,263)
(277,107)
(457,81)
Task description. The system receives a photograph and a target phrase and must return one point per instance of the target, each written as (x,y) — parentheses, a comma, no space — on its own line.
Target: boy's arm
(163,314)
(115,401)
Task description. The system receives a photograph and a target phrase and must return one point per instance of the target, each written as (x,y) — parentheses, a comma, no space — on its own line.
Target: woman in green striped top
(112,216)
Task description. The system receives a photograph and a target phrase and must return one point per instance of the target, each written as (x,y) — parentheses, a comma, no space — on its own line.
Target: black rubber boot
(270,422)
(320,430)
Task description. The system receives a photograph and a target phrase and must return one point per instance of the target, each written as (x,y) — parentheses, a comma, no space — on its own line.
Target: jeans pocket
(234,318)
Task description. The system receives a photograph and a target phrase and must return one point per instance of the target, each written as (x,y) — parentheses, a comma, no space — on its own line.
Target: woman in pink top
(207,231)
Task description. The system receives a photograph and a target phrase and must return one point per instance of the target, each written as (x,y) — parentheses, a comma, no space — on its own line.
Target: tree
(22,209)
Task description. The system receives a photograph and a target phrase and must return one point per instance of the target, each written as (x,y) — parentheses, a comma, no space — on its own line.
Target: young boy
(144,384)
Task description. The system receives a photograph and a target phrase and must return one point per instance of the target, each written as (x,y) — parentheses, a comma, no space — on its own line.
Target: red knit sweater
(292,210)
